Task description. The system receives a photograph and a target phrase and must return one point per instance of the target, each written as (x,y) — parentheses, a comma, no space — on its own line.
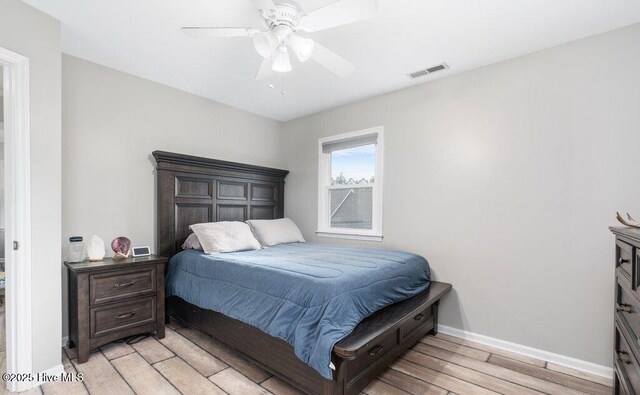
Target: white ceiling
(142,37)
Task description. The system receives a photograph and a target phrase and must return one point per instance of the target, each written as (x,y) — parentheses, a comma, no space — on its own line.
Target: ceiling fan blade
(264,4)
(340,13)
(265,69)
(332,61)
(214,32)
(265,43)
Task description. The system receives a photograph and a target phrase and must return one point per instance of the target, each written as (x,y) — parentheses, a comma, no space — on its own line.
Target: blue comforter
(310,295)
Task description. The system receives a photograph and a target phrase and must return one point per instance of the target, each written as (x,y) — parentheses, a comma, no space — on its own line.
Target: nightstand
(114,298)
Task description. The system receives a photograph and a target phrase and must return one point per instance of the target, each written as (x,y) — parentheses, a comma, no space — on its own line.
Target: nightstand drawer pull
(123,316)
(418,317)
(624,308)
(124,285)
(623,357)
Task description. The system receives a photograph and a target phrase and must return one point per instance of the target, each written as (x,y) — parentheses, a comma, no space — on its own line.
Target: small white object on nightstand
(141,251)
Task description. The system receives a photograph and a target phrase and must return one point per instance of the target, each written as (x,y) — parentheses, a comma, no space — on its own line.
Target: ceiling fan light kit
(281,61)
(282,20)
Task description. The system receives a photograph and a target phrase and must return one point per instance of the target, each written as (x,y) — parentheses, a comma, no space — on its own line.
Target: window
(350,185)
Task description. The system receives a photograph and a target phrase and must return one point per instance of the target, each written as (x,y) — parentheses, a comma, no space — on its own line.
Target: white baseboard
(558,359)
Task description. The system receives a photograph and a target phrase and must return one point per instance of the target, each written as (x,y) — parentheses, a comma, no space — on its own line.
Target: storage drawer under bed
(417,321)
(374,351)
(372,354)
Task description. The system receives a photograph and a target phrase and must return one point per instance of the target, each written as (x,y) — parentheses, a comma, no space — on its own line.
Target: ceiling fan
(282,20)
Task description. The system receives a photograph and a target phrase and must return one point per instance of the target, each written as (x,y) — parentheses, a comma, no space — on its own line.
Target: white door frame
(18,218)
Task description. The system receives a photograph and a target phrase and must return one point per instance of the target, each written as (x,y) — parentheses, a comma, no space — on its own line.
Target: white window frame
(324,186)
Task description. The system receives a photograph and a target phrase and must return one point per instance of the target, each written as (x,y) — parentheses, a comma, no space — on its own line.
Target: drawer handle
(622,261)
(418,317)
(624,308)
(376,350)
(623,357)
(124,285)
(123,316)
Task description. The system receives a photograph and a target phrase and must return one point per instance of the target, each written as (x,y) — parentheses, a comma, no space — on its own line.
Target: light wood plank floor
(190,362)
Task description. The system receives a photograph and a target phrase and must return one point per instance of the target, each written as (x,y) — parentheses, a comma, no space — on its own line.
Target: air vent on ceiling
(427,71)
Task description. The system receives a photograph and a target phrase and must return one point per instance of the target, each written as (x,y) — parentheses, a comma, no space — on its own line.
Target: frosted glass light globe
(281,62)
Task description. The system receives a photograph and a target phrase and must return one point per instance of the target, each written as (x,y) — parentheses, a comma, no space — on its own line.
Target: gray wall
(1,97)
(37,36)
(113,121)
(2,216)
(506,178)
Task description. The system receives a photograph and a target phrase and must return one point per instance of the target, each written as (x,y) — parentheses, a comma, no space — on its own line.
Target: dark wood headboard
(193,190)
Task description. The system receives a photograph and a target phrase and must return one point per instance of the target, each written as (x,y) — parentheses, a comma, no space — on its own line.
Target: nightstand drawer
(109,287)
(108,319)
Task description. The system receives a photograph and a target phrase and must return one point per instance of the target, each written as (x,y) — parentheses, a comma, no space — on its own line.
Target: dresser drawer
(109,287)
(626,361)
(628,308)
(109,319)
(419,320)
(625,254)
(620,385)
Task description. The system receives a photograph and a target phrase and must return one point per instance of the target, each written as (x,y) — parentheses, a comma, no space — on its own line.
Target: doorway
(3,339)
(16,218)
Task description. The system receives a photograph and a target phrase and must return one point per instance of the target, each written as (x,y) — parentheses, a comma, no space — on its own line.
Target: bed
(252,301)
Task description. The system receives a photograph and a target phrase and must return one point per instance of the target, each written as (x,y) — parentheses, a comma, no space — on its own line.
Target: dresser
(112,299)
(626,354)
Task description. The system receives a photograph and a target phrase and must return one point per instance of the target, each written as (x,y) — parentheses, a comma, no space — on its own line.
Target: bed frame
(194,190)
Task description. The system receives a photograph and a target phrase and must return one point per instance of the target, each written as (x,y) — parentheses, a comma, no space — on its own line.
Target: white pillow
(192,243)
(271,232)
(225,237)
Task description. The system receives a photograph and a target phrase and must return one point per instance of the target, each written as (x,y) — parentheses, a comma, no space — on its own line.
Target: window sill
(350,235)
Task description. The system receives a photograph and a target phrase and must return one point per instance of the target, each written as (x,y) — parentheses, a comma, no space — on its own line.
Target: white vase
(95,249)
